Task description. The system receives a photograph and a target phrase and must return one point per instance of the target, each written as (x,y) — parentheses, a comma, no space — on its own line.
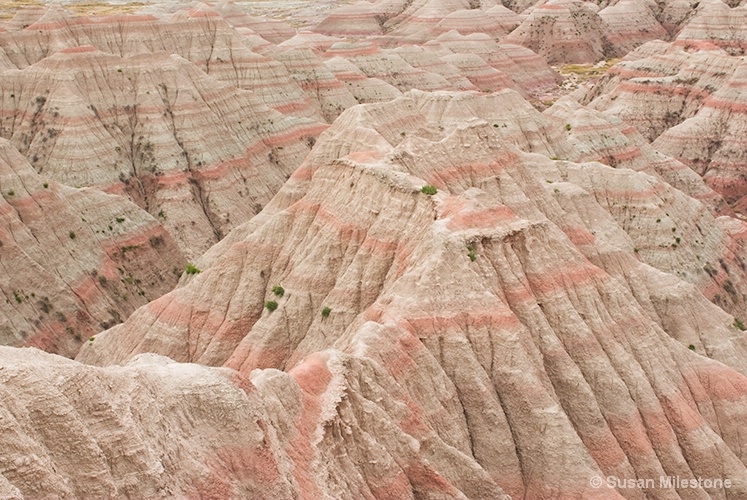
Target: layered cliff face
(561,31)
(565,31)
(446,293)
(152,429)
(712,141)
(719,23)
(200,35)
(176,141)
(456,304)
(689,100)
(75,261)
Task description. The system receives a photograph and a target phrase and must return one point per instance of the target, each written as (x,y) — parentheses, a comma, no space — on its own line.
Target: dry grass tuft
(586,71)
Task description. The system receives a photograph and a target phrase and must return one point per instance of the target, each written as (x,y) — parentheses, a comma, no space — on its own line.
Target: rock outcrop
(465,286)
(75,261)
(200,36)
(660,85)
(719,24)
(202,155)
(631,23)
(690,103)
(712,141)
(565,31)
(441,293)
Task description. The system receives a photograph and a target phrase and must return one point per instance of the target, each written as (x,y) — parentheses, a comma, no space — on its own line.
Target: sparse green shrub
(71,234)
(271,305)
(568,127)
(691,347)
(192,269)
(11,193)
(128,248)
(739,324)
(278,290)
(46,185)
(429,190)
(325,312)
(471,254)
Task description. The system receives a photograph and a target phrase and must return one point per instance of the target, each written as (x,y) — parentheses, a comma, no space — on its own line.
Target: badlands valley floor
(402,249)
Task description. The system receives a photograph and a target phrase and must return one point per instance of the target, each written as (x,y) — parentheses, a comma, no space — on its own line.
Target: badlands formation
(393,249)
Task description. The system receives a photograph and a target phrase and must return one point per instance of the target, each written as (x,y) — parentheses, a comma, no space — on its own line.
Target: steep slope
(419,21)
(510,312)
(362,88)
(660,85)
(495,21)
(317,81)
(606,138)
(359,19)
(160,429)
(201,155)
(75,261)
(719,24)
(565,31)
(527,69)
(631,23)
(387,66)
(199,35)
(712,142)
(689,103)
(151,429)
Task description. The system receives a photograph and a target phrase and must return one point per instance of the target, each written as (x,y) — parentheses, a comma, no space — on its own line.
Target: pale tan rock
(75,261)
(152,429)
(660,85)
(201,155)
(565,31)
(556,340)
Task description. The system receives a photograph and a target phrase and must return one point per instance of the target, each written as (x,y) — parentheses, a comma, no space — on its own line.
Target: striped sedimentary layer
(75,261)
(495,21)
(201,36)
(719,24)
(151,429)
(201,155)
(660,85)
(503,322)
(565,31)
(527,69)
(631,23)
(712,142)
(450,62)
(316,80)
(690,104)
